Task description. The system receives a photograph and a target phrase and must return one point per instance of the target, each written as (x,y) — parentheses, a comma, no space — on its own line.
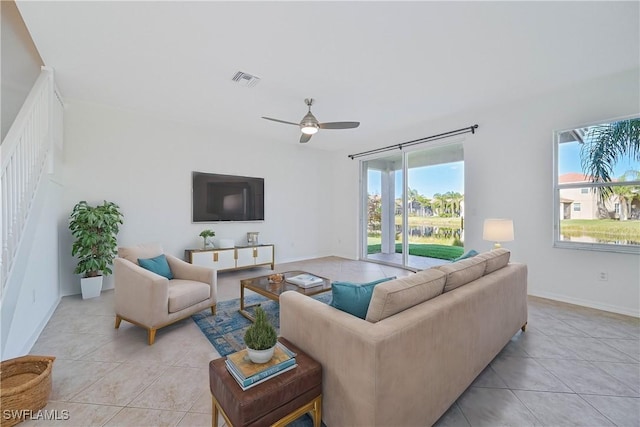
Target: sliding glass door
(383,201)
(413,206)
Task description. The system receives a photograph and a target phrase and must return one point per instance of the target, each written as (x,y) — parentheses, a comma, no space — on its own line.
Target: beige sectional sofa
(425,339)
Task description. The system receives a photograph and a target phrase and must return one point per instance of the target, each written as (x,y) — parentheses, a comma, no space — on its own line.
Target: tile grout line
(596,409)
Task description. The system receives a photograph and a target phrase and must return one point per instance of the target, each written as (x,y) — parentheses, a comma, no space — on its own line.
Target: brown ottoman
(277,401)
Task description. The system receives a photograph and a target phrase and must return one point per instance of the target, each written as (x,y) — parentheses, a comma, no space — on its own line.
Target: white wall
(144,165)
(508,173)
(21,64)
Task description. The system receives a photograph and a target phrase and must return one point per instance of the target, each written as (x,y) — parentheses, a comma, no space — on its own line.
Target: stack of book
(248,374)
(305,280)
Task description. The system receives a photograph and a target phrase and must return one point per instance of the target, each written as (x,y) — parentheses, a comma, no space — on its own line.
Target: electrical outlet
(603,276)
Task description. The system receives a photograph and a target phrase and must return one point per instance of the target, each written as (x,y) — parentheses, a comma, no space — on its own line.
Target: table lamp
(497,230)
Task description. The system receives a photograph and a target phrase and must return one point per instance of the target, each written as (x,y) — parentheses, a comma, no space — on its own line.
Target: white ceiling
(389,65)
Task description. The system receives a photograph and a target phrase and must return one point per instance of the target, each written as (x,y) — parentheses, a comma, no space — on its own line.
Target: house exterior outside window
(590,213)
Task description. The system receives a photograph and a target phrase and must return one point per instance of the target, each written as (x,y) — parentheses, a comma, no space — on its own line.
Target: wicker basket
(25,384)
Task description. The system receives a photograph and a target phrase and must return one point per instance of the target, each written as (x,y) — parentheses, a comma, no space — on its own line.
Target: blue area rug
(225,331)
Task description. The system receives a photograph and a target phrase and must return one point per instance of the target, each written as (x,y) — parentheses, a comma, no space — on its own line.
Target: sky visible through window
(569,160)
(427,180)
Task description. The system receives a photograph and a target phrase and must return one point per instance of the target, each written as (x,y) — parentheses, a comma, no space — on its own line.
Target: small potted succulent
(260,338)
(205,234)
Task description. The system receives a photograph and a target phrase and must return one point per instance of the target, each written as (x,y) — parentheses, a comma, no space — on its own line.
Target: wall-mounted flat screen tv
(218,197)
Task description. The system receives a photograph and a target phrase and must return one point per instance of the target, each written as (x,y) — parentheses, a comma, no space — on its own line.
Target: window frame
(563,244)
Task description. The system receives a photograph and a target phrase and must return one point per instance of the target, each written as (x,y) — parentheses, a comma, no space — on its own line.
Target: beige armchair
(152,301)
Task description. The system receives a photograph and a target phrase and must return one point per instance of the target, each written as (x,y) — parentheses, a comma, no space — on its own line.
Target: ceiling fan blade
(305,138)
(281,121)
(339,125)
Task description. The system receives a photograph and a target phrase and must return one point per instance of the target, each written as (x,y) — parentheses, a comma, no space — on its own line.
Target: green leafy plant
(95,230)
(261,335)
(207,233)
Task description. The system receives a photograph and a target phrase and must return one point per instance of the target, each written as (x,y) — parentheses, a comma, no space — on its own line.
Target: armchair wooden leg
(524,327)
(152,335)
(213,309)
(118,320)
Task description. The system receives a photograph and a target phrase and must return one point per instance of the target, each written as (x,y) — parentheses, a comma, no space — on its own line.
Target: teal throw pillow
(158,265)
(354,298)
(469,254)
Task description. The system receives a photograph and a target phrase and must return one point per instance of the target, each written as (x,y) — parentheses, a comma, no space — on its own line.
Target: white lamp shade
(498,230)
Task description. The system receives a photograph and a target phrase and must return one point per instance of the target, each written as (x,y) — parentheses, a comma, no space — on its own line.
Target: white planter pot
(260,356)
(91,287)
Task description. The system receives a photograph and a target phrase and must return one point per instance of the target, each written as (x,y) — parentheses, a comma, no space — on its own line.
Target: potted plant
(95,245)
(205,234)
(260,338)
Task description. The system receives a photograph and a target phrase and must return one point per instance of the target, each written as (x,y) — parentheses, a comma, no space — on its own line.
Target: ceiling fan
(310,125)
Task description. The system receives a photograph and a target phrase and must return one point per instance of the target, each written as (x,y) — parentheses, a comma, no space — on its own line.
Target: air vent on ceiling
(245,79)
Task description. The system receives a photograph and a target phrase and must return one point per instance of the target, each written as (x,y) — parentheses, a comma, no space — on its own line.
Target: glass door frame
(364,212)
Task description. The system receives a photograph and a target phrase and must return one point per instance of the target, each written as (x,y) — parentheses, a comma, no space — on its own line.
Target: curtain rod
(461,131)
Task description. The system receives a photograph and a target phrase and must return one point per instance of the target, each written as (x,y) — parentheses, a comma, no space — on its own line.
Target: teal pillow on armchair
(354,298)
(158,265)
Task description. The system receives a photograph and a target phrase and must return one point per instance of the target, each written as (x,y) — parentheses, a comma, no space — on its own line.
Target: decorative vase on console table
(205,234)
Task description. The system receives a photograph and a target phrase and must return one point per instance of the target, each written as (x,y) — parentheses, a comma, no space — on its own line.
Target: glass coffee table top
(262,286)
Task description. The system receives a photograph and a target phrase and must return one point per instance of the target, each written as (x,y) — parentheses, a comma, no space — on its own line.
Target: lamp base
(497,245)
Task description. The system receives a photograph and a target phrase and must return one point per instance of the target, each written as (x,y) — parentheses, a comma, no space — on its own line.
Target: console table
(235,258)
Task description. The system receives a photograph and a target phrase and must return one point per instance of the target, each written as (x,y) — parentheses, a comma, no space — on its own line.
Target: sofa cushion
(462,272)
(496,259)
(354,298)
(185,293)
(158,265)
(148,250)
(398,295)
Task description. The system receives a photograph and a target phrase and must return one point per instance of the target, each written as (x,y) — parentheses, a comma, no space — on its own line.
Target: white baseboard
(302,258)
(586,303)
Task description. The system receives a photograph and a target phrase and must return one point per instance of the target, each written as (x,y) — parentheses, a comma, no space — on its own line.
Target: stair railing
(23,156)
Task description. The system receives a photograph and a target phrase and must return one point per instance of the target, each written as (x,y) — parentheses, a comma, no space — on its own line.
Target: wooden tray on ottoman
(25,385)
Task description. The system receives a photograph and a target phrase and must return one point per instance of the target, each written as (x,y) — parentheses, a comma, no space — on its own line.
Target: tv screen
(218,197)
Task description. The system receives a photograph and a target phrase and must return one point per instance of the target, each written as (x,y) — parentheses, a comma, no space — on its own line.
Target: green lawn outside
(601,228)
(426,250)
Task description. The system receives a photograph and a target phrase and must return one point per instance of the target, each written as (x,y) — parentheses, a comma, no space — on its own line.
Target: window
(597,187)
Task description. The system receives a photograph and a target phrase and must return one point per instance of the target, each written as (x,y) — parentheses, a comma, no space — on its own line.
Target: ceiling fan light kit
(309,125)
(309,129)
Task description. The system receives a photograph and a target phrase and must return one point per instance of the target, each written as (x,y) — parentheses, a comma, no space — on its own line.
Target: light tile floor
(573,366)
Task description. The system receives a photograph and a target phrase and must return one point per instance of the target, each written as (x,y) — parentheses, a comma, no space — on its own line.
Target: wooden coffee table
(261,285)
